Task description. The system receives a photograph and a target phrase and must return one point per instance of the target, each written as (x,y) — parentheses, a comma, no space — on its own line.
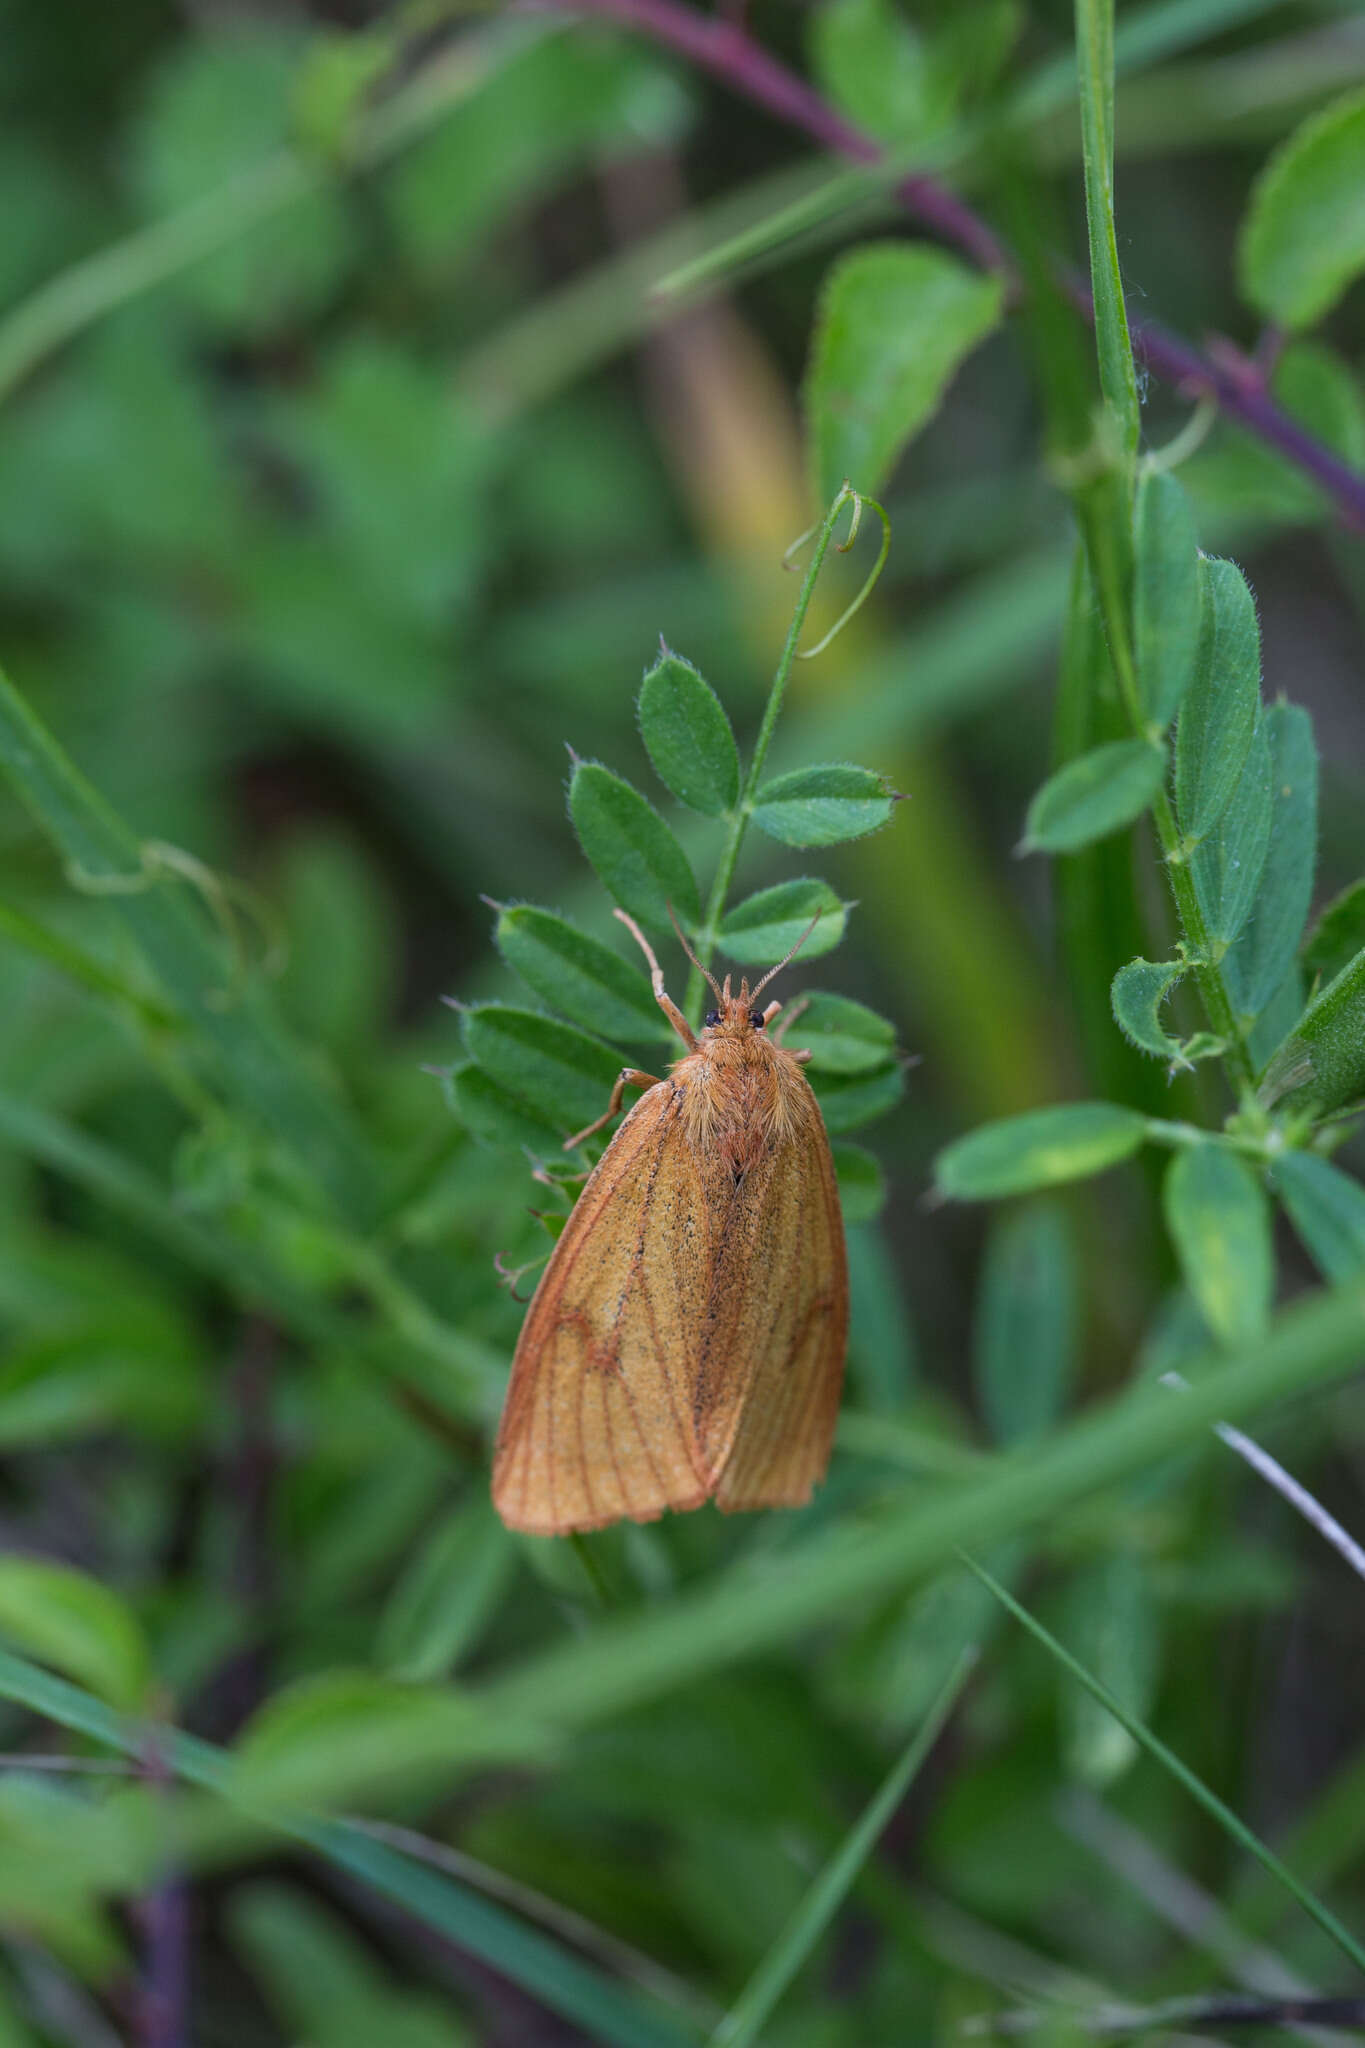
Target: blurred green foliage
(350,466)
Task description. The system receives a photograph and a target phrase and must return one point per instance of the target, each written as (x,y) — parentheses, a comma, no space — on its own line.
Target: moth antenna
(760,986)
(656,972)
(682,941)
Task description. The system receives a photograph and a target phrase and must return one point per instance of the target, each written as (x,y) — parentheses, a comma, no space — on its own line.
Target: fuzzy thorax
(742,1095)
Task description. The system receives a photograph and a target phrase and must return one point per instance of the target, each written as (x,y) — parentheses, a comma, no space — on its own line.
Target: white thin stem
(1183,1904)
(1174,1896)
(69,1766)
(1285,1484)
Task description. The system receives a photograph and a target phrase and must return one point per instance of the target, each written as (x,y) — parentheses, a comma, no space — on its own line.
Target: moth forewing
(687,1338)
(597,1426)
(772,1362)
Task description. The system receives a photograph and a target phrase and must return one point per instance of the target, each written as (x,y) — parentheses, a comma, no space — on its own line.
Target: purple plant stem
(718,44)
(164,1915)
(165,1991)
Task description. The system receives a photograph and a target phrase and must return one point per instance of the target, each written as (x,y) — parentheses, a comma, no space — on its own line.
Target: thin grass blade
(560,1981)
(753,2008)
(1231,1825)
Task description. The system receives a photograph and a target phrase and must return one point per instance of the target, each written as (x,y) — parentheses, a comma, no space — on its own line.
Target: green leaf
(894,323)
(548,103)
(1339,933)
(1327,1209)
(1218,717)
(1267,943)
(314,632)
(843,1037)
(862,1183)
(636,856)
(1111,1624)
(868,59)
(970,47)
(496,1116)
(688,737)
(446,1594)
(763,928)
(881,1336)
(219,113)
(339,981)
(850,1100)
(1166,594)
(1027,1322)
(1322,1062)
(1040,1149)
(1093,796)
(117,1369)
(394,475)
(72,1622)
(1241,478)
(348,1734)
(323,1981)
(1219,1220)
(131,409)
(332,86)
(552,1069)
(1227,865)
(591,984)
(1137,994)
(1277,1019)
(1318,387)
(823,805)
(1303,239)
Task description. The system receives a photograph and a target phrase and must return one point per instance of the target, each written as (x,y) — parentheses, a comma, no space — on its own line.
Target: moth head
(738,1015)
(735,1015)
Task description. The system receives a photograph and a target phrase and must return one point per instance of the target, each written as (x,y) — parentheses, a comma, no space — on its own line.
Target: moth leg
(629,1077)
(656,975)
(798,1008)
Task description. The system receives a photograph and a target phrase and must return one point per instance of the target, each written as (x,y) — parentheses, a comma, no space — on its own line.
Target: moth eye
(713,1017)
(756,1019)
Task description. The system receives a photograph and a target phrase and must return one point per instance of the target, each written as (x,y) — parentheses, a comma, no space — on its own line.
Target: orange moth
(686,1342)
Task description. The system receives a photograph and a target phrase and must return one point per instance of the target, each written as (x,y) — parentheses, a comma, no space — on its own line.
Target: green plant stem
(744,809)
(914,1449)
(83,968)
(1111,590)
(1212,988)
(1095,77)
(1104,504)
(1198,1790)
(737,1616)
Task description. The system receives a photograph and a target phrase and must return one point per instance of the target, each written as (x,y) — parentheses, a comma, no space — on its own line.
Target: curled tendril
(857,499)
(790,553)
(510,1276)
(226,900)
(1190,438)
